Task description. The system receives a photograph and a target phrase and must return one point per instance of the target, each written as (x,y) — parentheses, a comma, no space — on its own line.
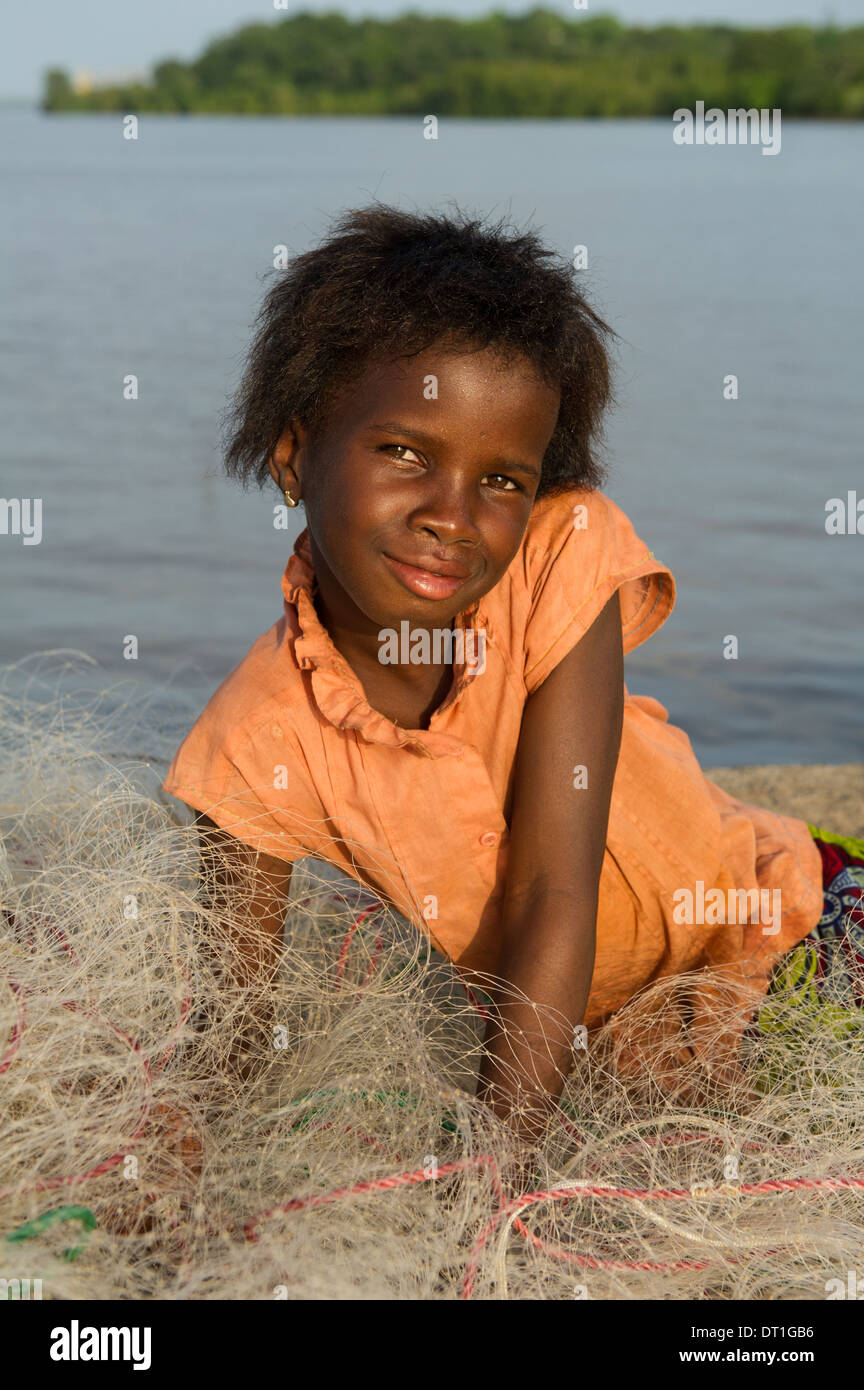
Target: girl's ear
(282,461)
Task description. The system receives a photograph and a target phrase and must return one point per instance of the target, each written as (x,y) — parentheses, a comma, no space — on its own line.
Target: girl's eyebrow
(394,427)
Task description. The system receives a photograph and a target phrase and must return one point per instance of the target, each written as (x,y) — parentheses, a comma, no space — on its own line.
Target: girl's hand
(173,1170)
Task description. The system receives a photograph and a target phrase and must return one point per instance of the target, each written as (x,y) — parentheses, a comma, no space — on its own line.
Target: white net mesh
(353,1160)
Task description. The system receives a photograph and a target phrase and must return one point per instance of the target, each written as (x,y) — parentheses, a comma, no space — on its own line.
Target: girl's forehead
(448,395)
(477,372)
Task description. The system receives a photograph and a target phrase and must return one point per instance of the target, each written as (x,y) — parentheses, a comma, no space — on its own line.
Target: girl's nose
(449,513)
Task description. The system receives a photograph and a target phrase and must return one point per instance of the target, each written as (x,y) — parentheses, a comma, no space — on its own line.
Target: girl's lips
(422,582)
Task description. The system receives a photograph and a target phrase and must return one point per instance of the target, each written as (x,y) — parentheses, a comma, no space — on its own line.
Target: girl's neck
(406,693)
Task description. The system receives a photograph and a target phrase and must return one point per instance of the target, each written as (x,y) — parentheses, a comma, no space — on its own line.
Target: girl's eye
(401,449)
(403,452)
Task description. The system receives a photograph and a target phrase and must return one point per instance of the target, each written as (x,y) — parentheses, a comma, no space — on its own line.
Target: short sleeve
(245,790)
(579,550)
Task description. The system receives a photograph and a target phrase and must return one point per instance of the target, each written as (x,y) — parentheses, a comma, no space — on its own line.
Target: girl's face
(429,461)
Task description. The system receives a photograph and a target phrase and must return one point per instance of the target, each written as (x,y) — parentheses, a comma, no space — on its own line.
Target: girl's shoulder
(583,521)
(578,549)
(259,693)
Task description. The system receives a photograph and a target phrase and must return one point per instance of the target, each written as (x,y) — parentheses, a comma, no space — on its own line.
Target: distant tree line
(540,63)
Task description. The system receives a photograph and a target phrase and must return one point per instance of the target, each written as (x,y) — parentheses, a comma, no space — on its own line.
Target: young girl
(440,711)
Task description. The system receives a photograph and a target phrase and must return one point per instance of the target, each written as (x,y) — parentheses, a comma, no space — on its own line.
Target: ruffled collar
(337,689)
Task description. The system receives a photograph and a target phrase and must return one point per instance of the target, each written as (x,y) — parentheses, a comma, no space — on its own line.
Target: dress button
(490,838)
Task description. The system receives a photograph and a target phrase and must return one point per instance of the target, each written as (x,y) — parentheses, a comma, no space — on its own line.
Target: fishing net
(349,1157)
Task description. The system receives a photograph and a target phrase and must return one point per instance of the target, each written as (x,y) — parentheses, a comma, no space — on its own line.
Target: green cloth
(855,847)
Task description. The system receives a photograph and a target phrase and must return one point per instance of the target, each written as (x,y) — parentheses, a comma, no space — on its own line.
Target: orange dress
(289,756)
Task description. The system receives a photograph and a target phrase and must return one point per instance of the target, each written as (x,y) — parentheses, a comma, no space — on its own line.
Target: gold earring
(289,499)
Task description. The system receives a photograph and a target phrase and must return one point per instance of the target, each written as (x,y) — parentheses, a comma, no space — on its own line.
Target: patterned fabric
(825,971)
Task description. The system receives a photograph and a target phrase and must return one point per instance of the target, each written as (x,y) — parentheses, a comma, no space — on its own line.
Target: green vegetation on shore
(540,63)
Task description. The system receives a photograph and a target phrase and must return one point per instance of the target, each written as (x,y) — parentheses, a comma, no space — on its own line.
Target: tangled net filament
(350,1158)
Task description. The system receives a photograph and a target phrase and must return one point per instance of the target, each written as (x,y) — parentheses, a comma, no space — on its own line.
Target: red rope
(356,1189)
(343,954)
(73,1180)
(416,1176)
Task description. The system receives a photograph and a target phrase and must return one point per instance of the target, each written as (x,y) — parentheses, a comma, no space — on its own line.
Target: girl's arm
(250,890)
(557,842)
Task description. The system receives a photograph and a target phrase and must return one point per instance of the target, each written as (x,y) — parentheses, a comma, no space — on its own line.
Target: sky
(111,38)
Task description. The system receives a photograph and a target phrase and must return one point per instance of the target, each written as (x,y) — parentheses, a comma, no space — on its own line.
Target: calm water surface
(147,257)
